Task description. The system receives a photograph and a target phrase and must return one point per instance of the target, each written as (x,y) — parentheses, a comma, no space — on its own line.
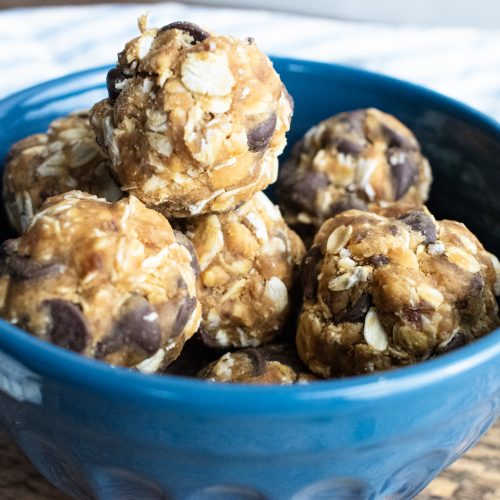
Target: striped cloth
(464,63)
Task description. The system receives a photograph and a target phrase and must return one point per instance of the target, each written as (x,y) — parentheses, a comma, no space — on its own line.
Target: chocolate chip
(419,221)
(349,136)
(348,147)
(393,229)
(354,121)
(354,313)
(208,339)
(412,316)
(258,137)
(194,30)
(309,271)
(183,240)
(404,174)
(472,294)
(113,77)
(137,326)
(25,268)
(348,202)
(476,285)
(456,341)
(378,260)
(68,326)
(302,191)
(397,140)
(257,360)
(8,247)
(184,313)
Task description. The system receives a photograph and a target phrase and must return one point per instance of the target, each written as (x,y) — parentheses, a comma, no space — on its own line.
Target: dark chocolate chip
(208,339)
(8,247)
(378,260)
(354,120)
(419,221)
(25,268)
(258,137)
(327,139)
(404,175)
(348,147)
(474,290)
(476,285)
(302,191)
(113,77)
(250,40)
(397,140)
(348,202)
(68,326)
(183,240)
(309,271)
(184,314)
(136,325)
(412,316)
(194,30)
(456,341)
(257,360)
(354,313)
(394,229)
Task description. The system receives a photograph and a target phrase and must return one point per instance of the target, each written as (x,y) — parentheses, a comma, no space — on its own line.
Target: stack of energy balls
(146,240)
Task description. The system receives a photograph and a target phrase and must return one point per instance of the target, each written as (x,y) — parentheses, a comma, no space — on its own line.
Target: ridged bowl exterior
(102,432)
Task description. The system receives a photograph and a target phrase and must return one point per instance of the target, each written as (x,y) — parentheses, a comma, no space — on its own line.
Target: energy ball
(63,159)
(270,364)
(248,260)
(194,121)
(392,288)
(107,280)
(355,160)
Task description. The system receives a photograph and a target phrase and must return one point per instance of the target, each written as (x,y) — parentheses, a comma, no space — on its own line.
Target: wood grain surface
(476,476)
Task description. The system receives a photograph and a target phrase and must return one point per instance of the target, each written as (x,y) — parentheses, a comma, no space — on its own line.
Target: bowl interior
(462,145)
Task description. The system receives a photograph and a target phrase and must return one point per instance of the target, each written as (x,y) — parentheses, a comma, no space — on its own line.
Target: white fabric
(42,43)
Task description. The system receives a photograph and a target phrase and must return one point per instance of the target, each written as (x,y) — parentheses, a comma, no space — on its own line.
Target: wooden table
(476,476)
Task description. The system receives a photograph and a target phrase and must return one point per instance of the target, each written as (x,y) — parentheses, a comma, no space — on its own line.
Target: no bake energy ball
(392,288)
(355,160)
(248,258)
(107,280)
(270,364)
(194,120)
(63,159)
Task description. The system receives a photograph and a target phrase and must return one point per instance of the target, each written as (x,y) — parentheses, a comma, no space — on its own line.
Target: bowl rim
(66,367)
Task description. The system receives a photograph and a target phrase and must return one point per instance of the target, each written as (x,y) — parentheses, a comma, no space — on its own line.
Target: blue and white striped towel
(42,43)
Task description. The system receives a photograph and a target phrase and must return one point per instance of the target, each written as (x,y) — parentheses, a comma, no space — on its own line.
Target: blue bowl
(98,431)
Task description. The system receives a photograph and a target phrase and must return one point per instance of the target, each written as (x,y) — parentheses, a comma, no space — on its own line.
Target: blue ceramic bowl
(98,431)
